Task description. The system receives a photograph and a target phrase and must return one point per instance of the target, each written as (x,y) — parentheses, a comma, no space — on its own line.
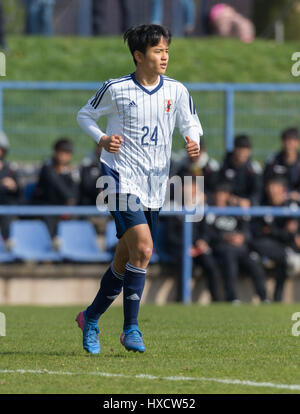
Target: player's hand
(112,143)
(191,147)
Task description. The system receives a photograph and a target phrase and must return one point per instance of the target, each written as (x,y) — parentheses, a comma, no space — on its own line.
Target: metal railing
(209,115)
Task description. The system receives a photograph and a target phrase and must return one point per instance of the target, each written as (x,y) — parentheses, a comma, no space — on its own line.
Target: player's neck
(146,79)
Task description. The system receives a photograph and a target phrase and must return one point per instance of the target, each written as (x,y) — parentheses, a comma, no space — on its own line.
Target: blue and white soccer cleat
(90,334)
(132,339)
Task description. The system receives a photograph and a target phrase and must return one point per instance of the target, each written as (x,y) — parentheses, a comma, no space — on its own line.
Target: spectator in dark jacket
(9,185)
(274,234)
(203,256)
(229,238)
(2,28)
(58,182)
(90,171)
(202,165)
(243,173)
(286,163)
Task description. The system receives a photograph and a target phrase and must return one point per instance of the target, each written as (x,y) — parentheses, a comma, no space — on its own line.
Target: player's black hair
(290,133)
(144,35)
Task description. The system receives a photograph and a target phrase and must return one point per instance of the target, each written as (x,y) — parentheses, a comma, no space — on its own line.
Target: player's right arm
(101,104)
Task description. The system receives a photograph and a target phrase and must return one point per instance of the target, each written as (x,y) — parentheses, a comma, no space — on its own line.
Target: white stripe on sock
(115,273)
(134,269)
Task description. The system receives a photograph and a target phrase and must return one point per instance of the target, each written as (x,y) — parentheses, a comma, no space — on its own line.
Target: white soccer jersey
(145,119)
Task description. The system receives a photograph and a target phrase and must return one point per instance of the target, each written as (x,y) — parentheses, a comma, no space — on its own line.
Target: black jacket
(213,229)
(246,180)
(8,196)
(90,171)
(275,227)
(206,167)
(56,189)
(277,166)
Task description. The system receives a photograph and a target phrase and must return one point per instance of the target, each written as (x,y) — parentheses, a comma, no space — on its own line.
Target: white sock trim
(115,273)
(135,269)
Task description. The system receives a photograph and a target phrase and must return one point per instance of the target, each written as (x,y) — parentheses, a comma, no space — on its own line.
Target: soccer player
(142,110)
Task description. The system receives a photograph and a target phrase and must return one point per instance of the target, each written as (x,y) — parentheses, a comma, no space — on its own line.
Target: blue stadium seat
(5,255)
(31,241)
(110,236)
(78,242)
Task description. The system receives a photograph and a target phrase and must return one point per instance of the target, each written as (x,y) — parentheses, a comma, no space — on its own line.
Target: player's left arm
(188,123)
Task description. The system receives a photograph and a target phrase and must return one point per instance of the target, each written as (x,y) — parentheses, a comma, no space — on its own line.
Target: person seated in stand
(273,234)
(58,182)
(286,163)
(202,165)
(229,239)
(90,171)
(9,184)
(243,173)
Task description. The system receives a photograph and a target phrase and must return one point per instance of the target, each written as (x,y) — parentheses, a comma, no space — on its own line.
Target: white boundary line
(153,377)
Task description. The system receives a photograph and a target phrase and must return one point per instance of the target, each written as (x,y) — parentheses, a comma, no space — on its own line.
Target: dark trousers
(5,222)
(274,250)
(99,16)
(2,34)
(235,258)
(211,270)
(40,17)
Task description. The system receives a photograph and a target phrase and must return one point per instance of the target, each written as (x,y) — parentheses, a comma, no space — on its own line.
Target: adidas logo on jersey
(132,103)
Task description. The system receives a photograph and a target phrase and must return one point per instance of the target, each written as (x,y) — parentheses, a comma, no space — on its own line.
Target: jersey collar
(146,90)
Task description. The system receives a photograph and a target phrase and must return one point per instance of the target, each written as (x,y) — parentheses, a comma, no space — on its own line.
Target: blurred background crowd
(223,246)
(241,19)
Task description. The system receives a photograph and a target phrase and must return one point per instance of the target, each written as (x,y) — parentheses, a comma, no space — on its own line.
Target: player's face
(156,58)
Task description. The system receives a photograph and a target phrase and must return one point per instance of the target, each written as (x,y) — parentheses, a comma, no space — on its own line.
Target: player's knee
(142,252)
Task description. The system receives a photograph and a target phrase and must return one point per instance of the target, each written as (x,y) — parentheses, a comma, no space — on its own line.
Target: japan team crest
(168,105)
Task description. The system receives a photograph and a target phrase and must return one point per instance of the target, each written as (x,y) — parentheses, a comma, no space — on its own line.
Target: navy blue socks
(134,282)
(112,282)
(110,288)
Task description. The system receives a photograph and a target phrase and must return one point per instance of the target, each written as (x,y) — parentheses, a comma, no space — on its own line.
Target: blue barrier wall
(187,262)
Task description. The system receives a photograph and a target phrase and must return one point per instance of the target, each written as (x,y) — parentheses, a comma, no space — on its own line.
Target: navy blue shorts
(129,218)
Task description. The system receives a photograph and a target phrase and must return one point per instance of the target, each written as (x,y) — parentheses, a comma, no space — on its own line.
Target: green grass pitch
(203,344)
